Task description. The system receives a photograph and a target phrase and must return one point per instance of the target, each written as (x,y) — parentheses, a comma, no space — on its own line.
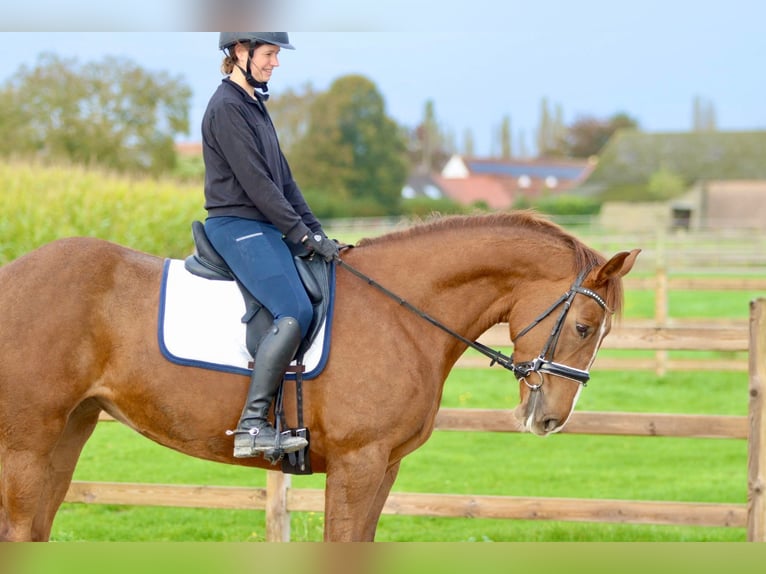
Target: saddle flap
(309,280)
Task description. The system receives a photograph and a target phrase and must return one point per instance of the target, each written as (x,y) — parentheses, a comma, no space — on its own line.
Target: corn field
(43,203)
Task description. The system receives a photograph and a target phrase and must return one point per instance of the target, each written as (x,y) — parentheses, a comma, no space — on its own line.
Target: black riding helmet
(227,39)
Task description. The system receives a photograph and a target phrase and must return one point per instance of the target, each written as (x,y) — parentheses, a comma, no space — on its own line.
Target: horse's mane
(584,256)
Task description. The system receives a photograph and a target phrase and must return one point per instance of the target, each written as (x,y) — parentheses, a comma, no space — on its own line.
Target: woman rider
(254,209)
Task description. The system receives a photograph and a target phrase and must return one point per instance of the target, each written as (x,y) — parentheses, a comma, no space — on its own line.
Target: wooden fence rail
(662,284)
(278,499)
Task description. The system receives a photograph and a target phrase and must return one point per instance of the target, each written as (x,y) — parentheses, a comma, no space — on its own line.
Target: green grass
(576,466)
(639,304)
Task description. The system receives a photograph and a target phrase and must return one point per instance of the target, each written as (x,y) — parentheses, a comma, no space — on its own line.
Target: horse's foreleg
(380,501)
(354,480)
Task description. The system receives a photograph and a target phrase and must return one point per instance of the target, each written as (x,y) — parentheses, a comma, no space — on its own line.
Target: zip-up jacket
(246,173)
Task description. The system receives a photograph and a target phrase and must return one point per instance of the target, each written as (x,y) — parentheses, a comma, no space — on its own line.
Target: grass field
(155,216)
(646,468)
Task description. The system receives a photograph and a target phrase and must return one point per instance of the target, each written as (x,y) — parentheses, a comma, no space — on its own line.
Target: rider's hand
(320,244)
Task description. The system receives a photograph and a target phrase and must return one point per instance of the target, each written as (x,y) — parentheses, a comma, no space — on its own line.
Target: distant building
(630,158)
(497,182)
(732,204)
(725,173)
(708,205)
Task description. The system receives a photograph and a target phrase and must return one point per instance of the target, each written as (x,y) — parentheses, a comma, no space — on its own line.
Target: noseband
(543,363)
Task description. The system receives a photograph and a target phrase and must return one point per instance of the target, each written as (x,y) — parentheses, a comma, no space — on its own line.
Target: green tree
(550,131)
(506,143)
(352,150)
(428,144)
(665,184)
(290,111)
(110,113)
(703,115)
(469,146)
(428,133)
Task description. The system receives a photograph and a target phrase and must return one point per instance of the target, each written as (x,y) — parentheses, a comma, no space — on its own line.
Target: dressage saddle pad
(200,325)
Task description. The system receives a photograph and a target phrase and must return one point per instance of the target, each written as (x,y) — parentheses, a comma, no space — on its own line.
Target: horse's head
(556,338)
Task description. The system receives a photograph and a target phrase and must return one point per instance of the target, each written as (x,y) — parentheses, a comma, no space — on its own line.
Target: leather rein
(542,364)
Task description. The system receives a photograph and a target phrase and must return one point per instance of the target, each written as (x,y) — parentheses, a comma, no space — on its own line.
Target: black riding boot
(254,434)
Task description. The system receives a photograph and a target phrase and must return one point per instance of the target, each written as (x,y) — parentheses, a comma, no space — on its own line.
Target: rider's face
(265,59)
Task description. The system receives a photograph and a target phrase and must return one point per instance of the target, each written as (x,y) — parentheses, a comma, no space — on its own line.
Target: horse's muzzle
(533,416)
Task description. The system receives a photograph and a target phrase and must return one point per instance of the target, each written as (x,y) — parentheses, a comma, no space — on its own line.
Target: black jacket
(246,174)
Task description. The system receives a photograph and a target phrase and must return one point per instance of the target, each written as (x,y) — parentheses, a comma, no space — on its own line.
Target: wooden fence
(663,285)
(278,499)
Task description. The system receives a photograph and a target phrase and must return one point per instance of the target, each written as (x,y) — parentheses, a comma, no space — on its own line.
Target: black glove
(320,244)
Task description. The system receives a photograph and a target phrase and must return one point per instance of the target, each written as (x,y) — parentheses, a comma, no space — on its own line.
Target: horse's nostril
(550,424)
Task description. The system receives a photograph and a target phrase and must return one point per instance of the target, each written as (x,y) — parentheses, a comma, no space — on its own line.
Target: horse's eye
(582,330)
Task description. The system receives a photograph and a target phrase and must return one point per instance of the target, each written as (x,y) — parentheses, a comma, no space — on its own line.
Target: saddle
(313,271)
(315,274)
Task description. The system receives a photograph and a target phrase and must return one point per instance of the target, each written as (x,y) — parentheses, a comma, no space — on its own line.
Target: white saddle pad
(200,325)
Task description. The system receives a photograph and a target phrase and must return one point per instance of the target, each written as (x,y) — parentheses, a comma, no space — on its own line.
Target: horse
(78,336)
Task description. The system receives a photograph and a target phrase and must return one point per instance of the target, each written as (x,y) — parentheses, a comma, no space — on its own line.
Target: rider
(254,209)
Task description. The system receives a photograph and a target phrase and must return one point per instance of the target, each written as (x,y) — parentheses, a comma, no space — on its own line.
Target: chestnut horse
(78,335)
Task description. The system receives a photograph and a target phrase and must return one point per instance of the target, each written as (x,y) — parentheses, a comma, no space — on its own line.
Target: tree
(352,149)
(506,143)
(111,113)
(588,135)
(429,137)
(551,131)
(522,139)
(428,144)
(703,116)
(290,111)
(469,147)
(544,129)
(665,184)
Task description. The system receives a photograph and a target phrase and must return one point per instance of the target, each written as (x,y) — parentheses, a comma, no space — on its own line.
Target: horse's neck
(467,279)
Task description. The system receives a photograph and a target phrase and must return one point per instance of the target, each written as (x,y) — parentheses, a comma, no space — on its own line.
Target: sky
(477,61)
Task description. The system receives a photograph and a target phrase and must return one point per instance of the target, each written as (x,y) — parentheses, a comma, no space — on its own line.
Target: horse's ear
(617,266)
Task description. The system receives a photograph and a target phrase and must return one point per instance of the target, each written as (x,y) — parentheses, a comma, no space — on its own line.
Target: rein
(521,371)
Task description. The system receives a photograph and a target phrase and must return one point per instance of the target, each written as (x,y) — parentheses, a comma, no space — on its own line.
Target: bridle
(543,363)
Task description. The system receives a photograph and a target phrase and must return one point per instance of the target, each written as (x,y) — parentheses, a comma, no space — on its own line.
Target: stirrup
(284,443)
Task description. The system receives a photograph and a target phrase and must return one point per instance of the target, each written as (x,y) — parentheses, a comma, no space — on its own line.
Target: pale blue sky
(478,61)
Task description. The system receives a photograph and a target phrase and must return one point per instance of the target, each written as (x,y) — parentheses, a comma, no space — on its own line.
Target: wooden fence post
(277,516)
(756,458)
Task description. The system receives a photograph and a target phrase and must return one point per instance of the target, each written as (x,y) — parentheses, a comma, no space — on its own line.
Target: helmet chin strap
(262,87)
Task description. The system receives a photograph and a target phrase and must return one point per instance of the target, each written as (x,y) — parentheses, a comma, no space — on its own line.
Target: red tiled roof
(467,191)
(500,181)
